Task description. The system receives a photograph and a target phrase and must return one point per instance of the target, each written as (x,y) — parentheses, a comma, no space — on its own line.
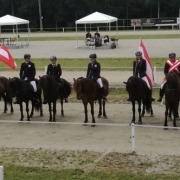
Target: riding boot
(150,92)
(103,94)
(161,94)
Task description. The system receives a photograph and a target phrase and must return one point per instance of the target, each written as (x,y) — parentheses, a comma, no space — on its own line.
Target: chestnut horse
(89,91)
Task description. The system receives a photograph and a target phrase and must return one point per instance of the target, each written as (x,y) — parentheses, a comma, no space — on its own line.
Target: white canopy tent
(11,20)
(95,18)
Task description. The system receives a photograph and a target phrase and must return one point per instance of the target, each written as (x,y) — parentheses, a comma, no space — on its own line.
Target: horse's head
(77,86)
(13,82)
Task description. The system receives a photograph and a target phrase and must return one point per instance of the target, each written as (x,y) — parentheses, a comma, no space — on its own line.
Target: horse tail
(67,87)
(148,102)
(37,106)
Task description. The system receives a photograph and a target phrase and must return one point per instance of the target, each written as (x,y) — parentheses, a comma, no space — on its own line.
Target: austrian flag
(6,57)
(149,70)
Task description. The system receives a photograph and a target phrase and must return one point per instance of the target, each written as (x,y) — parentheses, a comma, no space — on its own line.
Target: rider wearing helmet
(54,70)
(93,72)
(171,65)
(139,70)
(27,73)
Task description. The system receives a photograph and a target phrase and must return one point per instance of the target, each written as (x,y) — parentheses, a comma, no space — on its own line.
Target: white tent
(96,17)
(11,20)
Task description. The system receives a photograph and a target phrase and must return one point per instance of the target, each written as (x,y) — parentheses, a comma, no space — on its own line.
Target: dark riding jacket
(88,35)
(93,71)
(139,68)
(27,71)
(55,71)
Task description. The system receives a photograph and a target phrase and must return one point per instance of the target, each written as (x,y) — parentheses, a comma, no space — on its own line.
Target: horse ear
(74,79)
(125,82)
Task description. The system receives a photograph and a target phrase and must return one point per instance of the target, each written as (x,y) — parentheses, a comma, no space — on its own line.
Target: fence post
(133,136)
(154,74)
(1,173)
(45,70)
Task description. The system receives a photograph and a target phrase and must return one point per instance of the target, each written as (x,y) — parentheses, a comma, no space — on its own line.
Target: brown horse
(52,91)
(5,93)
(89,91)
(172,96)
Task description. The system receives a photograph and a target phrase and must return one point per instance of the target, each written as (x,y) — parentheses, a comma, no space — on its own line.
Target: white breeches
(33,83)
(145,79)
(99,80)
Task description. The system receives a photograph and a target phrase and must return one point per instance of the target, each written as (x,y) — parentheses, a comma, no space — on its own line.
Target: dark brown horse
(89,91)
(53,91)
(23,91)
(138,91)
(172,96)
(5,93)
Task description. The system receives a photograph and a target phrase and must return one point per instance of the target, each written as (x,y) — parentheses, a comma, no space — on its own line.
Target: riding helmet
(172,55)
(27,56)
(53,58)
(138,53)
(93,56)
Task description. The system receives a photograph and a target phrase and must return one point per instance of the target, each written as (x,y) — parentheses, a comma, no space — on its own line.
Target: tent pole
(17,33)
(28,34)
(117,29)
(110,29)
(76,36)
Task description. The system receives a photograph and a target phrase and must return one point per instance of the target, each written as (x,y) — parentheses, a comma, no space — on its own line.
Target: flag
(149,70)
(6,57)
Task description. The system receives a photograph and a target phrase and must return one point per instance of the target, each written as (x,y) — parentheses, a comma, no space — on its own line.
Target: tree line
(64,13)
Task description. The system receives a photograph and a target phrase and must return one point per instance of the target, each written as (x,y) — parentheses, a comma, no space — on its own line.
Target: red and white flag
(149,70)
(6,57)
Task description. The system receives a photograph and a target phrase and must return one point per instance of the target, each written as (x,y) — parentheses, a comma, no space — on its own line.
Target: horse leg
(133,109)
(86,112)
(143,110)
(92,114)
(5,104)
(50,113)
(100,108)
(166,115)
(12,109)
(139,111)
(175,115)
(151,111)
(32,110)
(21,110)
(54,111)
(41,109)
(27,111)
(104,109)
(62,111)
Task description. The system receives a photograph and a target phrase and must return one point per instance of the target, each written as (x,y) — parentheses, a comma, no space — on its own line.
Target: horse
(89,91)
(52,92)
(138,91)
(23,91)
(172,96)
(5,93)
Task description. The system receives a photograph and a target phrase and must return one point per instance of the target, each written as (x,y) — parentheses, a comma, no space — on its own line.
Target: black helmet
(138,53)
(53,58)
(93,56)
(172,55)
(27,56)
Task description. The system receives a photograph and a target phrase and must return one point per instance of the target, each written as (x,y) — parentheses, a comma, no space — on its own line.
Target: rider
(93,72)
(27,73)
(171,65)
(54,70)
(139,70)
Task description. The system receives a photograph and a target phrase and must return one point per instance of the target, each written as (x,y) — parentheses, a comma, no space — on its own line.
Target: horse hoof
(105,117)
(84,124)
(139,122)
(41,114)
(62,115)
(99,116)
(28,120)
